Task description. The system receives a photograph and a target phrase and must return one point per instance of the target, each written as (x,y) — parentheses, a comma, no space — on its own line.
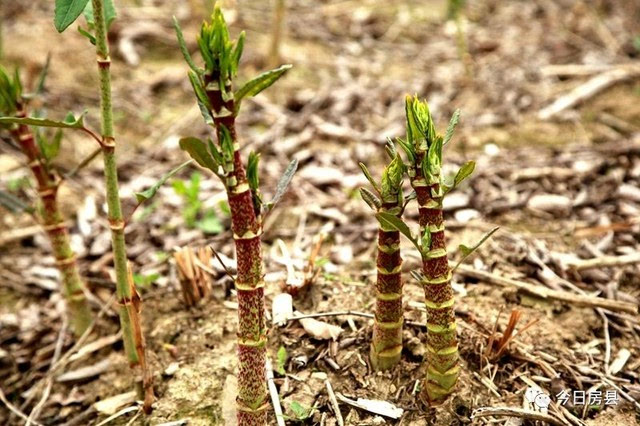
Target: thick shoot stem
(252,401)
(386,345)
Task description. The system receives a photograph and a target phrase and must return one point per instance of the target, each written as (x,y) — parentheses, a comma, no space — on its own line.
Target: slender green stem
(116,221)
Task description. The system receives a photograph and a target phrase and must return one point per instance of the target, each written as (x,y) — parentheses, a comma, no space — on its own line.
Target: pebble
(466,215)
(342,254)
(455,200)
(549,203)
(629,192)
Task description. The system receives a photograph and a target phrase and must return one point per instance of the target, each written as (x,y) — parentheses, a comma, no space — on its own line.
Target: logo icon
(538,398)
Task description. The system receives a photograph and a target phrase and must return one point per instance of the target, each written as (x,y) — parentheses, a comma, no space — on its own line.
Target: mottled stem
(252,401)
(386,345)
(54,224)
(442,344)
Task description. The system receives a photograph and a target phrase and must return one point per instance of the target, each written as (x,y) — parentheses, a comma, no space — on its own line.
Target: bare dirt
(353,63)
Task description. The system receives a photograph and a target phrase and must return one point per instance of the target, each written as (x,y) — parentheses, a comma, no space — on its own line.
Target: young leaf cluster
(389,190)
(221,56)
(10,92)
(423,148)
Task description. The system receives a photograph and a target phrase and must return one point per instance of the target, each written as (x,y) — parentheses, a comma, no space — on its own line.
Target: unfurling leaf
(183,47)
(261,82)
(455,118)
(408,149)
(370,178)
(66,12)
(226,147)
(49,148)
(388,220)
(215,152)
(201,97)
(464,172)
(435,156)
(281,360)
(425,241)
(87,34)
(237,52)
(252,171)
(109,13)
(390,149)
(421,130)
(43,76)
(284,182)
(69,122)
(467,251)
(149,193)
(197,149)
(371,199)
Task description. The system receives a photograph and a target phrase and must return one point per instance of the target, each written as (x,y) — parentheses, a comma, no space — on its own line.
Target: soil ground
(562,189)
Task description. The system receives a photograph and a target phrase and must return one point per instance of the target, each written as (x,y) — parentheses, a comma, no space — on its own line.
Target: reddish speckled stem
(442,345)
(54,224)
(252,402)
(386,345)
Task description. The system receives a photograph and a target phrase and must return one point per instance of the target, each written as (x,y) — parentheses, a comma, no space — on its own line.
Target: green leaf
(237,52)
(467,251)
(210,224)
(390,149)
(464,172)
(183,48)
(145,280)
(284,182)
(252,171)
(455,118)
(281,360)
(43,75)
(261,82)
(13,203)
(301,412)
(426,239)
(87,34)
(371,199)
(149,193)
(370,178)
(408,149)
(197,149)
(201,97)
(392,178)
(66,12)
(109,13)
(217,156)
(388,220)
(70,122)
(435,156)
(49,148)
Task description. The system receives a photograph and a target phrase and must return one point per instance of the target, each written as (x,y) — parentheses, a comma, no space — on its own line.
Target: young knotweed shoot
(99,14)
(386,344)
(423,148)
(40,151)
(219,104)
